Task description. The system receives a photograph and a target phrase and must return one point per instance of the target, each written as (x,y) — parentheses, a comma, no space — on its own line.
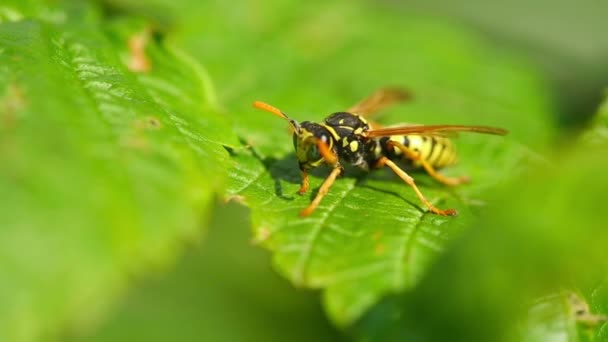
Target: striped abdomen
(438,151)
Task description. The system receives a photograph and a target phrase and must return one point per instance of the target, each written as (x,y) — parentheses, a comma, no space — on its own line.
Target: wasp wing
(379,100)
(432,130)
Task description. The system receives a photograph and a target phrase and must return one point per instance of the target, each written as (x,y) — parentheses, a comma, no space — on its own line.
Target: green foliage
(102,171)
(106,166)
(597,134)
(537,239)
(369,237)
(200,300)
(545,234)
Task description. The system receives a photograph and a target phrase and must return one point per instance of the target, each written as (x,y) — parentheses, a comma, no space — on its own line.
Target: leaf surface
(199,300)
(597,134)
(103,170)
(546,238)
(370,235)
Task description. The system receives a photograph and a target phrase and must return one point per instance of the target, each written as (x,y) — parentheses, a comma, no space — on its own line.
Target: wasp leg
(428,167)
(384,161)
(322,191)
(330,158)
(305,183)
(327,154)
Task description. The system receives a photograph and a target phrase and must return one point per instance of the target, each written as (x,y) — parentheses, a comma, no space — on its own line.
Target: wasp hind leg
(323,190)
(409,153)
(384,161)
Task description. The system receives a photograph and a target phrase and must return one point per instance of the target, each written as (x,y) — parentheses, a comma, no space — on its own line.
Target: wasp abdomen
(435,150)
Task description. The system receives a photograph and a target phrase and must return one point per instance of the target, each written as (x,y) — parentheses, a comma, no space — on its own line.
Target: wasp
(348,138)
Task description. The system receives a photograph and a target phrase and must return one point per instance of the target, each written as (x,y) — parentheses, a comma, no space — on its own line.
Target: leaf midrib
(302,265)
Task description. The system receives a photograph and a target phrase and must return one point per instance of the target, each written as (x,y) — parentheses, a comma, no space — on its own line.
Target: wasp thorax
(348,121)
(305,143)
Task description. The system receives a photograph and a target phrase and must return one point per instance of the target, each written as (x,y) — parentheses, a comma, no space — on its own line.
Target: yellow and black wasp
(348,138)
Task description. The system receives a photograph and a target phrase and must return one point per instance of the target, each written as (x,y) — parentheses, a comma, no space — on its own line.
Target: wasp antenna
(265,106)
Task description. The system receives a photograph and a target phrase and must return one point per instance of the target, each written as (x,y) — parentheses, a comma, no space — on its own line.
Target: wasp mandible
(348,138)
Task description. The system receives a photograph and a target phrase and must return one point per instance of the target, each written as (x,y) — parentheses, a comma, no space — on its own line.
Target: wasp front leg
(323,190)
(305,183)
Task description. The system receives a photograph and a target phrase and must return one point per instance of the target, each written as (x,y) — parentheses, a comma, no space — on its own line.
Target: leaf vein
(300,268)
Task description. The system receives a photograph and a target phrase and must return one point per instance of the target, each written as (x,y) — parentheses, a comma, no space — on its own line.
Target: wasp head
(312,141)
(306,142)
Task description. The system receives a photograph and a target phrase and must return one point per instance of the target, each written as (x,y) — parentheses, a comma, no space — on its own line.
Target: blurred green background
(115,218)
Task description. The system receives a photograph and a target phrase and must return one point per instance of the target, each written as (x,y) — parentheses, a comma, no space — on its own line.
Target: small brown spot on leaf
(11,102)
(377,235)
(262,235)
(148,123)
(135,141)
(136,137)
(153,123)
(138,60)
(235,198)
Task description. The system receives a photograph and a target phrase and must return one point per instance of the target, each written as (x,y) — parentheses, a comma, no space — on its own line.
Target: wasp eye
(313,153)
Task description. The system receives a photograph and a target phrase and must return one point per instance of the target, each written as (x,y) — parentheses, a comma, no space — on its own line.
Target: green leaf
(545,237)
(223,289)
(565,316)
(103,171)
(598,133)
(370,235)
(550,318)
